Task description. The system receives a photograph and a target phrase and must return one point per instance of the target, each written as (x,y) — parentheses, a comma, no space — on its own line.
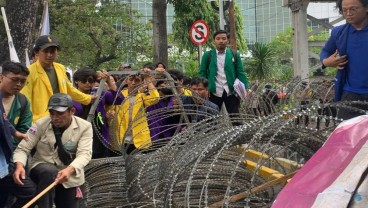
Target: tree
(186,12)
(160,45)
(98,37)
(21,16)
(282,44)
(260,66)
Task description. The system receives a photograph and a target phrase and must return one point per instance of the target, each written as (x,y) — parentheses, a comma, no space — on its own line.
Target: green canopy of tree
(99,37)
(187,12)
(260,66)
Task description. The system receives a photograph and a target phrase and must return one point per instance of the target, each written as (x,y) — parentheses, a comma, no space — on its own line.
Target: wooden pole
(254,190)
(40,194)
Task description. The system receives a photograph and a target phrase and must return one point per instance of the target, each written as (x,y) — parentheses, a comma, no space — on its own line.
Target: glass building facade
(263,19)
(145,8)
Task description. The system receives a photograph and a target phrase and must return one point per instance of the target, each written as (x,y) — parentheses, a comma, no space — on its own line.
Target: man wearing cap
(63,144)
(48,77)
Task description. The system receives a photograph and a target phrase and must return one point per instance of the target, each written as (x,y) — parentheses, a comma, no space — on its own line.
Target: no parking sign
(199,32)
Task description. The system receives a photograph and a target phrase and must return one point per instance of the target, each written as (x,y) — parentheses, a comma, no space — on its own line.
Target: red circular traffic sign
(199,32)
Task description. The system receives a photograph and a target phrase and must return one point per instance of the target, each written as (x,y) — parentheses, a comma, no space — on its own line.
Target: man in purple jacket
(85,79)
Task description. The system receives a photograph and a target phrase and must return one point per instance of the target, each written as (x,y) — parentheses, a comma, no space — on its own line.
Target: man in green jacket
(16,105)
(222,66)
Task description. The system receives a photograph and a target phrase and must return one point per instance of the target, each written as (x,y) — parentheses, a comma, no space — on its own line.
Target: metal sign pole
(221,14)
(200,53)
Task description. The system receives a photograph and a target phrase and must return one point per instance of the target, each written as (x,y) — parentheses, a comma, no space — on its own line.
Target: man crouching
(63,147)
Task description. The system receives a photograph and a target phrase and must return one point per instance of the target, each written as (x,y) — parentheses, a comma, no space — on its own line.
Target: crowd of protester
(46,112)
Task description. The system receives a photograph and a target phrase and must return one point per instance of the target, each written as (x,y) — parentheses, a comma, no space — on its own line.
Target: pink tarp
(325,166)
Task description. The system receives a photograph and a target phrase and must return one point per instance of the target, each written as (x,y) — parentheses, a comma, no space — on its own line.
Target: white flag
(13,53)
(45,24)
(28,62)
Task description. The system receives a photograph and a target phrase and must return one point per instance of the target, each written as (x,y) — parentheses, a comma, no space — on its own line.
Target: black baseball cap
(60,102)
(46,41)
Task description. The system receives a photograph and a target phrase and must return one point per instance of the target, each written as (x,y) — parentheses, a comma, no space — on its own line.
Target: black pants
(23,193)
(232,104)
(346,113)
(43,175)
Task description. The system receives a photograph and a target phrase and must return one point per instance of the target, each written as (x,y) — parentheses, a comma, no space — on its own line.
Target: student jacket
(233,69)
(20,117)
(38,89)
(138,122)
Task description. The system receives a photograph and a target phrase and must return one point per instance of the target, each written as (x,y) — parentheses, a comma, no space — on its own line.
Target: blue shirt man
(346,50)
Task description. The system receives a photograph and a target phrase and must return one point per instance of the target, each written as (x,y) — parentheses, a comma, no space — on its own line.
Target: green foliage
(283,44)
(283,72)
(192,69)
(321,36)
(186,12)
(184,61)
(260,66)
(330,71)
(100,38)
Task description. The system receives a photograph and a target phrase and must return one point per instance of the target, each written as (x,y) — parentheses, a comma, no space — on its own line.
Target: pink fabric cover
(325,166)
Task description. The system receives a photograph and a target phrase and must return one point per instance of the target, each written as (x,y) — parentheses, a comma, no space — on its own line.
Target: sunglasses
(89,80)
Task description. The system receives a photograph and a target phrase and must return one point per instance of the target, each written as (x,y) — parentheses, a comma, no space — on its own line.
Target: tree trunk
(160,45)
(232,26)
(21,15)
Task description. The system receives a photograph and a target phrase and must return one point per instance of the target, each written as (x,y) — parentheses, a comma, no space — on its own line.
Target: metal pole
(200,54)
(221,14)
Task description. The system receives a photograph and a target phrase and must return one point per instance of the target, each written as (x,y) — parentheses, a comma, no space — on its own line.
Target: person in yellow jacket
(131,126)
(48,77)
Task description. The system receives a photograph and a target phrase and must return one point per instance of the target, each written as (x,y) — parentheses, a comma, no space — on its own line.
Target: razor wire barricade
(211,161)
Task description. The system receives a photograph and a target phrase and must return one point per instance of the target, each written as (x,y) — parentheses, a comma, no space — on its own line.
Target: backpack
(208,61)
(23,102)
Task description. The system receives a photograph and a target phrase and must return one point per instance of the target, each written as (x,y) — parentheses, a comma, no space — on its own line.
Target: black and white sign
(199,32)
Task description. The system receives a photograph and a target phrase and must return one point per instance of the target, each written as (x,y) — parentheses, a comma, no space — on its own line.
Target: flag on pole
(45,23)
(12,51)
(28,62)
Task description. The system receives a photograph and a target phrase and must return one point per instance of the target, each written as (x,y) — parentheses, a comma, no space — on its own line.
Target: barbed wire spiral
(207,160)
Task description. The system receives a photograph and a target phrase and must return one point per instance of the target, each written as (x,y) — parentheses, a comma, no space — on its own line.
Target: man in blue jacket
(221,67)
(346,50)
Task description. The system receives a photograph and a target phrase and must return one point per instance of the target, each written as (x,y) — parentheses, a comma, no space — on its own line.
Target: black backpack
(23,102)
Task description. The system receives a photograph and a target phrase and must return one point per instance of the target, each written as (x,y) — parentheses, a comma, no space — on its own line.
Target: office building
(263,19)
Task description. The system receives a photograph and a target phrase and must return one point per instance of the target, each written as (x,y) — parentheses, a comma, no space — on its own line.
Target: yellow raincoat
(38,89)
(140,130)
